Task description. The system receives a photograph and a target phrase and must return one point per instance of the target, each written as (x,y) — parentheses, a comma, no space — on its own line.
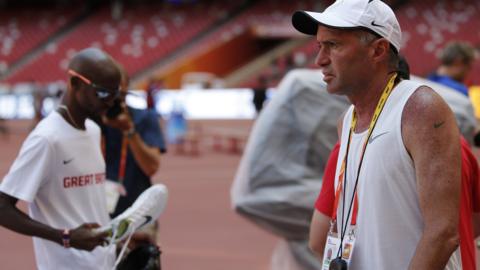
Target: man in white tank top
(397,183)
(60,172)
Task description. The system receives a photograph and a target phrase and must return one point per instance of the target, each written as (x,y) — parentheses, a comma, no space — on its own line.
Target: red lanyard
(337,197)
(342,173)
(123,157)
(123,160)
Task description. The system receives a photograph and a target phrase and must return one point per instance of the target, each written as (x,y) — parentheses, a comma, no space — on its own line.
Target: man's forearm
(17,221)
(319,227)
(148,158)
(434,251)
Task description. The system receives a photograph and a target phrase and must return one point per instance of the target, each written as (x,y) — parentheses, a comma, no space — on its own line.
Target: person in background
(133,142)
(153,88)
(469,207)
(39,94)
(260,93)
(456,62)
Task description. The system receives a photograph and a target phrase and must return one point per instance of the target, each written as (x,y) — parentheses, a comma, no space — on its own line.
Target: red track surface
(198,229)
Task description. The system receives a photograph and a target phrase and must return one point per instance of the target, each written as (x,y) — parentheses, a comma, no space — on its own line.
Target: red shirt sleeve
(471,170)
(326,198)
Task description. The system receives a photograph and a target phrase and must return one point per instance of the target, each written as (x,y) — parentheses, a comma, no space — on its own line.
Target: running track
(198,229)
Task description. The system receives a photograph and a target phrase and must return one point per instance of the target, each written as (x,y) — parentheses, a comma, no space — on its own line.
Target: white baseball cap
(374,15)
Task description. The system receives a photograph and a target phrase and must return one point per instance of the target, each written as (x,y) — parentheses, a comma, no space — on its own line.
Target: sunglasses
(101,92)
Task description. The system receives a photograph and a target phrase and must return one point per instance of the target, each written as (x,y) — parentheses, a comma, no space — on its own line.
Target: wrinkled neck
(366,102)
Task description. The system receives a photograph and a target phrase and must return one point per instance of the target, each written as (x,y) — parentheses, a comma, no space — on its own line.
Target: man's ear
(74,83)
(381,49)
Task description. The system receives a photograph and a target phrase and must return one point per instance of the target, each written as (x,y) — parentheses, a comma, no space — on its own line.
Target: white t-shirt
(389,221)
(60,172)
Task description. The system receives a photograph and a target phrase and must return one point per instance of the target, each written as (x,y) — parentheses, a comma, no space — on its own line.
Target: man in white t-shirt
(60,172)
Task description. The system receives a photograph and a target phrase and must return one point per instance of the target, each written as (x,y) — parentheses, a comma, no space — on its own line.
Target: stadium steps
(255,67)
(40,48)
(144,74)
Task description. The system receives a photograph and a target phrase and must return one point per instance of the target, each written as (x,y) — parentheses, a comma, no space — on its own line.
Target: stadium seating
(428,25)
(146,34)
(142,35)
(266,13)
(22,30)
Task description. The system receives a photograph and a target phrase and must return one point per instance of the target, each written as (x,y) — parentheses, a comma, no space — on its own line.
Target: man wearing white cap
(397,181)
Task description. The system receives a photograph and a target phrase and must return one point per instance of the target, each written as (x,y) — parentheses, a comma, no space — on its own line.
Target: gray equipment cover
(279,175)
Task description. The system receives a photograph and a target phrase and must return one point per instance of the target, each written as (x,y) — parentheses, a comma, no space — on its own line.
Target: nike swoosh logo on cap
(377,25)
(376,136)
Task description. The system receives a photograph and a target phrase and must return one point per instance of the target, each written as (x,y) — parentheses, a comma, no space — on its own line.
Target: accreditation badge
(333,244)
(330,252)
(348,245)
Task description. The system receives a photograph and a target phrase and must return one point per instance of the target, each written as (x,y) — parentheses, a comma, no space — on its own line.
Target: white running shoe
(146,209)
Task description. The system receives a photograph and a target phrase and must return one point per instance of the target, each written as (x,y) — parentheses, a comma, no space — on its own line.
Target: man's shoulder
(48,126)
(411,86)
(423,98)
(424,107)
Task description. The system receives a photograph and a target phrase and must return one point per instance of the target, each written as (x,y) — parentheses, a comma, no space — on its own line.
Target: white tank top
(389,221)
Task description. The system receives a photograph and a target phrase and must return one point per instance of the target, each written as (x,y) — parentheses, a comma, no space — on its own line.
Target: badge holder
(331,247)
(330,259)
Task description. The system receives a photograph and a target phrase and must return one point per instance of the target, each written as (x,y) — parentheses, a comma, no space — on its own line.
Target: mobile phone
(115,110)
